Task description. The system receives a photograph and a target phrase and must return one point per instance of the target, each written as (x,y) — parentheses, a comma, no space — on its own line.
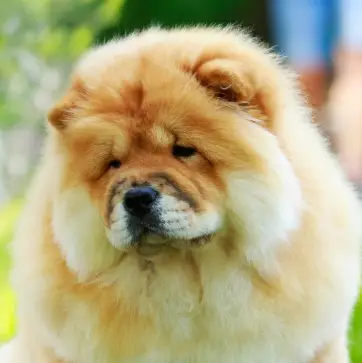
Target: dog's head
(168,138)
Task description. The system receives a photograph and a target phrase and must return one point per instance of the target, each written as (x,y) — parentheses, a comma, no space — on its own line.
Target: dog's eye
(114,164)
(226,93)
(183,151)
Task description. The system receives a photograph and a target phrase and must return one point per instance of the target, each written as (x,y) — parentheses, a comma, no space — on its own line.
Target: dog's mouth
(167,222)
(152,238)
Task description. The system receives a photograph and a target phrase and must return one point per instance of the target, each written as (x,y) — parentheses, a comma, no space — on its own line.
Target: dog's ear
(237,83)
(60,115)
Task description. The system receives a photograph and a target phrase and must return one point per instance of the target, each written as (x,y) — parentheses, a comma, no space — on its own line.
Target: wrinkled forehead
(141,86)
(149,99)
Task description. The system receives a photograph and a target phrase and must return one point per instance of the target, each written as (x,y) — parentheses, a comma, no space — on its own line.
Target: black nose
(139,200)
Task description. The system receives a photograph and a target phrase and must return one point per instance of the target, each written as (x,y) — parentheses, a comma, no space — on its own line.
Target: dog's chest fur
(179,310)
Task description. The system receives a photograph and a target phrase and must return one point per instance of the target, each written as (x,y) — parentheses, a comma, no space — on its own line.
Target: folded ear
(62,112)
(238,83)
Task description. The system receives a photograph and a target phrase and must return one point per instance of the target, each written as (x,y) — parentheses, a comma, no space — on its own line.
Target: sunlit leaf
(52,43)
(8,217)
(80,40)
(110,9)
(7,313)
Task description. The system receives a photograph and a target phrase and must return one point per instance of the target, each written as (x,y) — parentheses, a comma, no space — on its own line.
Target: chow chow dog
(186,210)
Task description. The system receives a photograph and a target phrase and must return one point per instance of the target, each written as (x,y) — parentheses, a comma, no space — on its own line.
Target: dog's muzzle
(143,212)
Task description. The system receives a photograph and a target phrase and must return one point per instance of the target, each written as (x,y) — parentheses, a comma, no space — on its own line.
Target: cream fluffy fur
(276,285)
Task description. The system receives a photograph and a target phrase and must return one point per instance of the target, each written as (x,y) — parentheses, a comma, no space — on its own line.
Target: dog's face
(167,139)
(149,178)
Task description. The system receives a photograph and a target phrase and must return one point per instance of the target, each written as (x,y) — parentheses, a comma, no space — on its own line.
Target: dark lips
(148,234)
(138,227)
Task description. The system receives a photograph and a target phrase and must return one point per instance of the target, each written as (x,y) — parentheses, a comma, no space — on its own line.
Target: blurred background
(41,39)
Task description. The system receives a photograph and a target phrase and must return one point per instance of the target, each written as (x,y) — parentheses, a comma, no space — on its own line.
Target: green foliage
(39,39)
(8,218)
(356,334)
(138,14)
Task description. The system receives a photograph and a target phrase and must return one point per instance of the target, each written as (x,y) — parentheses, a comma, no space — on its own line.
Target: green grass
(8,217)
